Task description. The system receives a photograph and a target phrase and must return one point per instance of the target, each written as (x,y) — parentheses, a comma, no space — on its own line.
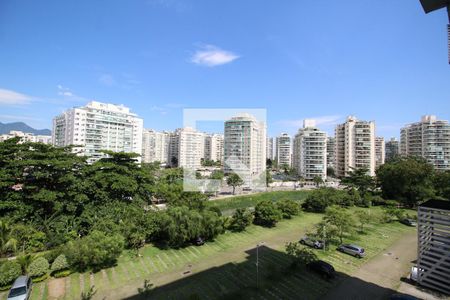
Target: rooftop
(439,204)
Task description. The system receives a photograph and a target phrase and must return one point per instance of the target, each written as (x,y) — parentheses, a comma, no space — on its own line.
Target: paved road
(380,277)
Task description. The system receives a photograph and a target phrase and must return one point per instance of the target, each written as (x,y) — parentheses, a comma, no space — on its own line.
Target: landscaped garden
(223,267)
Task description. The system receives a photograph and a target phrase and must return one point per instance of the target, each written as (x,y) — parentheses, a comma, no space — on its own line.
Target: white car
(413,276)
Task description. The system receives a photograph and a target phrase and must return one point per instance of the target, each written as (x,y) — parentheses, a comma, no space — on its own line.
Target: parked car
(354,250)
(409,222)
(323,268)
(199,241)
(21,289)
(415,273)
(311,242)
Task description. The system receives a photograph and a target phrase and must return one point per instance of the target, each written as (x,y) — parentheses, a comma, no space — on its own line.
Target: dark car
(354,250)
(311,242)
(409,222)
(199,241)
(323,268)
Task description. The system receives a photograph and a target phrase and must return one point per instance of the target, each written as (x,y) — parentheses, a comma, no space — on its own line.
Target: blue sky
(382,60)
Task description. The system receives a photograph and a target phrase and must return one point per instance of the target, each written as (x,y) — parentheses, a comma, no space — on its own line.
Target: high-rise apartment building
(214,147)
(392,149)
(155,146)
(96,127)
(283,150)
(186,148)
(26,137)
(331,152)
(310,151)
(269,148)
(430,139)
(245,148)
(379,151)
(355,146)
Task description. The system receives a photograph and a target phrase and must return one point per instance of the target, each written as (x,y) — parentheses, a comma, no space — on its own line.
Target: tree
(288,208)
(269,178)
(319,199)
(358,178)
(406,179)
(7,242)
(269,163)
(266,213)
(364,217)
(217,174)
(9,271)
(331,172)
(24,261)
(234,180)
(300,255)
(318,181)
(441,183)
(241,219)
(95,251)
(341,219)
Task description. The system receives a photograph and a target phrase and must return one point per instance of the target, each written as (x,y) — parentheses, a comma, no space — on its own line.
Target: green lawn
(227,265)
(229,204)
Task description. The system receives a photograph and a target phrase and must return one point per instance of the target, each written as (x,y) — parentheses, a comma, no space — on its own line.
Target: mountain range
(21,126)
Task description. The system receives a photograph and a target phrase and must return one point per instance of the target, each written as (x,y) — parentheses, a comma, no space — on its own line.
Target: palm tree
(7,242)
(24,261)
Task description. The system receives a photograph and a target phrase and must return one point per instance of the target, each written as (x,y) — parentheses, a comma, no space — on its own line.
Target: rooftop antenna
(432,5)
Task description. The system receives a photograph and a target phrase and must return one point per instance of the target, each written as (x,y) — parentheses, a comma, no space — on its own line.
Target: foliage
(326,233)
(318,181)
(234,180)
(7,241)
(9,271)
(269,178)
(89,294)
(28,238)
(241,218)
(95,251)
(146,290)
(217,174)
(406,179)
(393,213)
(341,219)
(363,217)
(38,267)
(267,214)
(60,263)
(319,199)
(288,208)
(441,181)
(331,172)
(62,273)
(300,255)
(359,179)
(24,261)
(180,225)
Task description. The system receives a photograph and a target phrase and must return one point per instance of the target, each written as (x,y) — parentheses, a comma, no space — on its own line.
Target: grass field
(226,268)
(228,205)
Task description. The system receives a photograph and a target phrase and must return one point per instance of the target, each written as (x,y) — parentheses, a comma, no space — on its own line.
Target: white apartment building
(269,148)
(245,148)
(214,147)
(310,151)
(26,137)
(283,150)
(98,126)
(186,148)
(331,152)
(379,151)
(392,149)
(355,146)
(430,139)
(155,146)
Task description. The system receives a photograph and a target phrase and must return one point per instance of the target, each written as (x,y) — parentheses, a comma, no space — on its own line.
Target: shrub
(60,263)
(288,208)
(95,251)
(266,213)
(40,278)
(241,219)
(38,267)
(63,273)
(321,198)
(9,271)
(300,255)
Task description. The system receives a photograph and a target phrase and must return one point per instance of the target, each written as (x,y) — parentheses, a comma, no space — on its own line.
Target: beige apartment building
(355,146)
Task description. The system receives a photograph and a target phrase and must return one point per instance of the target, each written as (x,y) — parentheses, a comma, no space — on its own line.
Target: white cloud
(8,97)
(212,56)
(107,79)
(69,95)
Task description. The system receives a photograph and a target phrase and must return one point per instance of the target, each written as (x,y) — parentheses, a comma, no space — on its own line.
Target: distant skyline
(377,60)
